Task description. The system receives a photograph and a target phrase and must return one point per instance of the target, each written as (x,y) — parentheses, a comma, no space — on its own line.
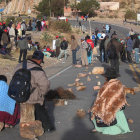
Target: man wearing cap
(63,46)
(57,44)
(23,45)
(39,87)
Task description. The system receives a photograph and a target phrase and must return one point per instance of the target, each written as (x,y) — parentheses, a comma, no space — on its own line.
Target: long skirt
(10,119)
(120,128)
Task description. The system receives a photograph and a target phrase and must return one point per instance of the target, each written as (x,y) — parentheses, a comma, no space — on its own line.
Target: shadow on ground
(79,132)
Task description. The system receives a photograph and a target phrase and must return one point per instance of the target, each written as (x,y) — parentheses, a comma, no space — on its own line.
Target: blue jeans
(61,53)
(74,57)
(136,55)
(89,58)
(102,56)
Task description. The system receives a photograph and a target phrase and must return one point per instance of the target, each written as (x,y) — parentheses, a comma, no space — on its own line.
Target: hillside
(20,6)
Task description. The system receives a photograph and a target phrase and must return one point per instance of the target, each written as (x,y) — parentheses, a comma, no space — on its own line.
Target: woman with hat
(107,112)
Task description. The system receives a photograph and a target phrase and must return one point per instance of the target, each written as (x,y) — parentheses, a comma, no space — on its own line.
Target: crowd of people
(107,111)
(11,32)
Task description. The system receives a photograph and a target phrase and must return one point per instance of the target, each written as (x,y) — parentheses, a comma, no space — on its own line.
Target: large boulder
(31,130)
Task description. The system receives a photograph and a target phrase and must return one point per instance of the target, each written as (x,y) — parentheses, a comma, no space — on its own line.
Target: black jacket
(64,45)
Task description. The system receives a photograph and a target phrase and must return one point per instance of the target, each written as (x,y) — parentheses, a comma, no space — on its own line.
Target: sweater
(7,104)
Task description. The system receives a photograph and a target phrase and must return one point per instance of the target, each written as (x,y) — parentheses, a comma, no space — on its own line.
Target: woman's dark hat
(110,73)
(38,55)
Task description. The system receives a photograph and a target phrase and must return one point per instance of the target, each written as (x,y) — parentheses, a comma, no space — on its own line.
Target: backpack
(112,53)
(89,49)
(20,85)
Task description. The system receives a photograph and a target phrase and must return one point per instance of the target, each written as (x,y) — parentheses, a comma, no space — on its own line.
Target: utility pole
(132,4)
(50,7)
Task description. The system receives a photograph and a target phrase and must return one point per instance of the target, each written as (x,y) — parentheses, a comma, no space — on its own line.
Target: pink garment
(18,26)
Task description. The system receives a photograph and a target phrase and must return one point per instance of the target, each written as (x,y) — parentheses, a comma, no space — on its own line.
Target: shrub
(46,37)
(110,16)
(131,15)
(61,26)
(101,16)
(9,19)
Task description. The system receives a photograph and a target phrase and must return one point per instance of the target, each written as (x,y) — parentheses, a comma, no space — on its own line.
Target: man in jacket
(63,46)
(23,45)
(40,85)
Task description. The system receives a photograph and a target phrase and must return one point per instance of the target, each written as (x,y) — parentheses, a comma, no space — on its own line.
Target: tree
(51,7)
(87,7)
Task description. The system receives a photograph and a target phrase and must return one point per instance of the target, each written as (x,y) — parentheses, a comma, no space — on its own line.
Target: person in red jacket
(89,41)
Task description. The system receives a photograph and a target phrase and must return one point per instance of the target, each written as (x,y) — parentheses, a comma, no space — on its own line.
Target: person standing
(84,46)
(102,49)
(57,44)
(5,39)
(105,46)
(136,47)
(33,26)
(23,27)
(63,46)
(38,25)
(23,45)
(107,28)
(74,46)
(90,42)
(93,38)
(12,36)
(129,45)
(114,48)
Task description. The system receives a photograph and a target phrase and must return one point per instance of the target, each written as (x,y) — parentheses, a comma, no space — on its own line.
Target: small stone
(71,85)
(70,89)
(80,88)
(88,79)
(81,84)
(98,83)
(136,89)
(77,84)
(81,113)
(96,87)
(77,80)
(89,73)
(97,77)
(82,75)
(130,121)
